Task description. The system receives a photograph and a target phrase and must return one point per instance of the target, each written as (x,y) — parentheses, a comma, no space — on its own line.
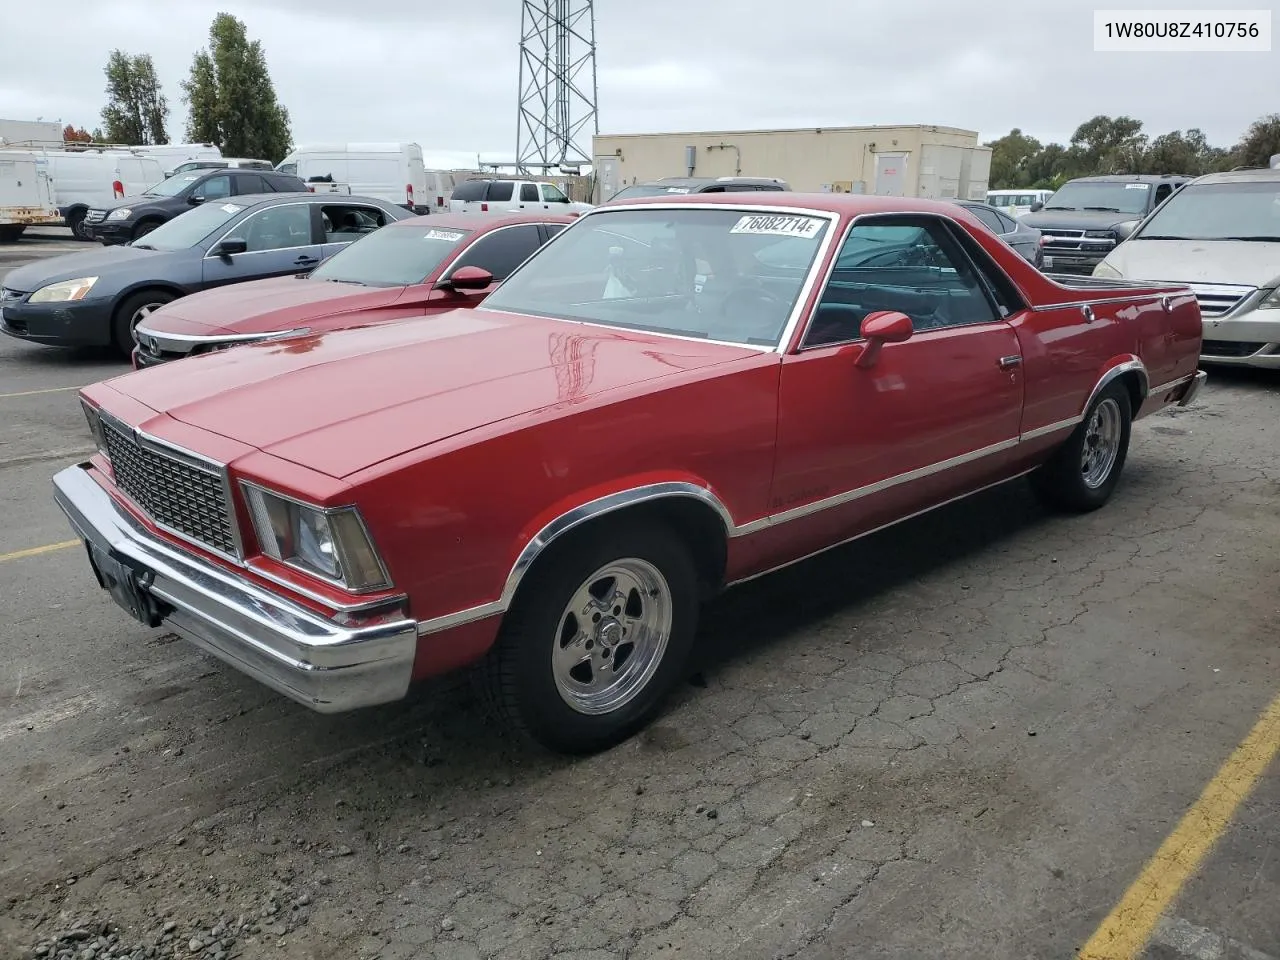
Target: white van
(96,178)
(26,194)
(440,184)
(1016,203)
(222,163)
(393,172)
(172,154)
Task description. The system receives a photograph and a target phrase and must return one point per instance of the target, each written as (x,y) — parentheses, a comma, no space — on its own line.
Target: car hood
(342,401)
(266,306)
(1198,261)
(1077,219)
(72,266)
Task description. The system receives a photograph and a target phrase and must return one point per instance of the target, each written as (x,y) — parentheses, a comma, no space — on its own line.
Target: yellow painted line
(1126,930)
(33,393)
(36,551)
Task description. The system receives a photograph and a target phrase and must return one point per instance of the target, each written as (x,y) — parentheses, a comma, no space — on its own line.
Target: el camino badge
(779,226)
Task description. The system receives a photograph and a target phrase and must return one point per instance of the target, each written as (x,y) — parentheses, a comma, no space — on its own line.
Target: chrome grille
(95,216)
(1218,299)
(1063,239)
(189,500)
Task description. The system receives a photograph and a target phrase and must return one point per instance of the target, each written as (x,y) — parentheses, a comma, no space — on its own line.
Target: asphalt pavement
(968,736)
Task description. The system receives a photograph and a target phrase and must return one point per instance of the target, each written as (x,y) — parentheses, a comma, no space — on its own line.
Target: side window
(553,228)
(276,228)
(345,223)
(1007,224)
(500,191)
(502,251)
(289,168)
(215,188)
(251,183)
(1162,194)
(552,194)
(470,190)
(528,193)
(990,219)
(740,187)
(909,264)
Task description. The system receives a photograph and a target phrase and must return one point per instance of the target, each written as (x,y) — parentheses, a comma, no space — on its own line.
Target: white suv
(511,196)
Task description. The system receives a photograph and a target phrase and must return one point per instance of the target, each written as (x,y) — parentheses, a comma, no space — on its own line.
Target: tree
(1009,157)
(231,99)
(1109,145)
(73,134)
(1259,143)
(136,109)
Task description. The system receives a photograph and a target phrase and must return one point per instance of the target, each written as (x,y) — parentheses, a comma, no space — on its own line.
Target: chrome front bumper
(289,648)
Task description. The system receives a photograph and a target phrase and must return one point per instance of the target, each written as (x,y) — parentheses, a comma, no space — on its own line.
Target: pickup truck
(657,404)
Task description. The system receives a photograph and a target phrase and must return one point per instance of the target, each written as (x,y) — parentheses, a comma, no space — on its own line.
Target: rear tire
(600,631)
(145,227)
(130,312)
(1082,474)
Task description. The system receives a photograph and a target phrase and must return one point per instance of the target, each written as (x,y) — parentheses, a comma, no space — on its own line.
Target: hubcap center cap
(609,633)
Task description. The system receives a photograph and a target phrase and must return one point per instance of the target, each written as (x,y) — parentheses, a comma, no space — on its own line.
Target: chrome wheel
(141,314)
(612,636)
(1101,443)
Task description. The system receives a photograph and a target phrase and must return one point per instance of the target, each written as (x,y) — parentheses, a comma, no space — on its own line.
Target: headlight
(1105,269)
(1271,301)
(330,544)
(63,291)
(120,213)
(95,426)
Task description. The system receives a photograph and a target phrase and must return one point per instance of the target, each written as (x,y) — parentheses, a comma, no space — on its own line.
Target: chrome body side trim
(1177,382)
(307,657)
(1133,365)
(1048,428)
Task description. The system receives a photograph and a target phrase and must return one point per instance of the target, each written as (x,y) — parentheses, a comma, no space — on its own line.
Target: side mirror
(879,328)
(1125,230)
(467,278)
(1037,207)
(196,199)
(231,245)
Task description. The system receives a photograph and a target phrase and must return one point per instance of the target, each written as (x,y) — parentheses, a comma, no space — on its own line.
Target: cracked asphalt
(962,737)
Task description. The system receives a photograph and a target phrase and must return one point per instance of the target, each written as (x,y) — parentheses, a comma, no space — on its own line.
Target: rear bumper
(1193,388)
(319,663)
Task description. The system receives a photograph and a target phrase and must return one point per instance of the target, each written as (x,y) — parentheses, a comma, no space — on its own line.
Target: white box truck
(26,194)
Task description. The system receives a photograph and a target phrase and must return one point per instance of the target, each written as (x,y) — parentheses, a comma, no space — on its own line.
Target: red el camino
(669,397)
(427,265)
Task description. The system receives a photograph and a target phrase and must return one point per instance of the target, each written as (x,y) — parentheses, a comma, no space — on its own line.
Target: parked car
(680,186)
(496,196)
(1024,239)
(171,155)
(1087,217)
(1220,235)
(223,163)
(417,267)
(135,217)
(83,179)
(97,298)
(548,484)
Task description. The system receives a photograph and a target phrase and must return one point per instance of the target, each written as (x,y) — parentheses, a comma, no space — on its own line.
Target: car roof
(847,204)
(702,181)
(1255,175)
(1133,177)
(465,221)
(253,199)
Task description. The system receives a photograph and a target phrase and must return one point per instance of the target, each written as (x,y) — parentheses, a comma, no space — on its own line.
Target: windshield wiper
(1059,208)
(142,246)
(358,283)
(1257,239)
(1105,209)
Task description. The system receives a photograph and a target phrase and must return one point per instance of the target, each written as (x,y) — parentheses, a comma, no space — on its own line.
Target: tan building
(911,161)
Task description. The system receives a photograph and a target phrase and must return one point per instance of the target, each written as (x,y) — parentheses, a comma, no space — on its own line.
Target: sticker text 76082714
(779,225)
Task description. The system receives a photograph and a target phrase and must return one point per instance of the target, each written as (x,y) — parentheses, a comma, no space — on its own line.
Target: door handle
(1008,363)
(305,261)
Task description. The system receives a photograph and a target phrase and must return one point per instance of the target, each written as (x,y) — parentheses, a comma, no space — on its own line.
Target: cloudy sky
(445,74)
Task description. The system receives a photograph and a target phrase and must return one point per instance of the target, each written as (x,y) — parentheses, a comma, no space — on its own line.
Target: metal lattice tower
(557,84)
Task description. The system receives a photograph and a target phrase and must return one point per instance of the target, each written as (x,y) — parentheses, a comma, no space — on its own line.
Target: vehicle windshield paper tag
(779,226)
(1137,186)
(449,235)
(231,208)
(677,189)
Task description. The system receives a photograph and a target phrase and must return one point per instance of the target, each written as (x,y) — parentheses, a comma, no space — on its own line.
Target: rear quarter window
(470,190)
(500,191)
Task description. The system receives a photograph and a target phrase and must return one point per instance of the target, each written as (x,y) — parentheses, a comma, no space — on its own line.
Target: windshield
(174,185)
(701,272)
(1118,197)
(392,258)
(649,190)
(1218,211)
(188,229)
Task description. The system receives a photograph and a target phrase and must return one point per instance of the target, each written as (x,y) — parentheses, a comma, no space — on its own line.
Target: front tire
(132,311)
(1084,471)
(600,631)
(142,229)
(75,220)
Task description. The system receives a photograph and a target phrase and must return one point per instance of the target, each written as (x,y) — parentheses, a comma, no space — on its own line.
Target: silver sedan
(1024,239)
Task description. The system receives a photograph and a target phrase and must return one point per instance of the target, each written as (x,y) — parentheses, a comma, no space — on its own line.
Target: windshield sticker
(188,179)
(677,189)
(449,235)
(231,208)
(1137,186)
(779,226)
